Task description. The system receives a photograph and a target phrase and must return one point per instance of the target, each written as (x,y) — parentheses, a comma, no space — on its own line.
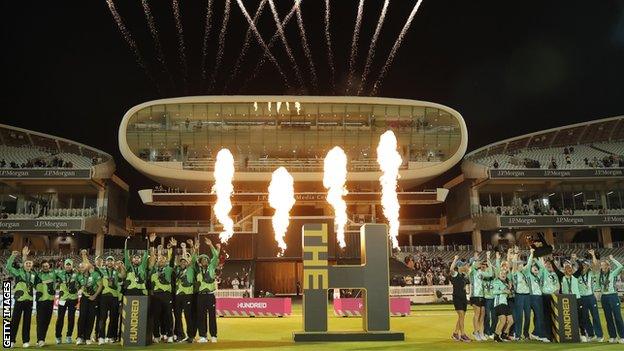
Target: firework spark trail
(371,49)
(223,175)
(267,51)
(207,28)
(389,161)
(306,46)
(354,45)
(282,199)
(289,53)
(181,46)
(395,48)
(270,44)
(330,53)
(222,34)
(125,33)
(334,179)
(156,39)
(245,47)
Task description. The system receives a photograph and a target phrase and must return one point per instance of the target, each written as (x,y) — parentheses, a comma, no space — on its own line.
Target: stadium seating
(28,154)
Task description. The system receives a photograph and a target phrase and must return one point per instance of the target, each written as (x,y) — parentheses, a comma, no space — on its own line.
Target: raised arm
(9,264)
(618,266)
(170,248)
(595,263)
(529,263)
(454,263)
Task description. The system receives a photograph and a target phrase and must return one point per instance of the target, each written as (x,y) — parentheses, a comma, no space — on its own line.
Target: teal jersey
(476,277)
(521,282)
(586,283)
(570,285)
(607,280)
(500,291)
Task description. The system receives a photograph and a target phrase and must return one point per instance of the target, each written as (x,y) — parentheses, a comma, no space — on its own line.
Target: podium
(136,326)
(564,317)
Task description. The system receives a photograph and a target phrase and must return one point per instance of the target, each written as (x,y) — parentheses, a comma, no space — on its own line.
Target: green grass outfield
(428,328)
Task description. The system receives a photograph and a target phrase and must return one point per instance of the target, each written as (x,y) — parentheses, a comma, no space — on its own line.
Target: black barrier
(564,316)
(136,329)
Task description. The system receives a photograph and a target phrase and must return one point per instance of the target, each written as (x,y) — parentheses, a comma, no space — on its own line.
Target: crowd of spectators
(427,271)
(54,162)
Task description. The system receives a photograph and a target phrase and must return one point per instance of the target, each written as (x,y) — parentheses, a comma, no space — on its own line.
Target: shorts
(477,301)
(460,304)
(502,310)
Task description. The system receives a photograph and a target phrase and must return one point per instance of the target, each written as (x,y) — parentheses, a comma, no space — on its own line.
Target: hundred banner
(372,276)
(564,314)
(352,307)
(37,224)
(254,307)
(136,326)
(561,221)
(557,173)
(44,173)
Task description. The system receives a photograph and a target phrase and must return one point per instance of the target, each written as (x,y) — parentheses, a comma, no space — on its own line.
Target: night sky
(509,67)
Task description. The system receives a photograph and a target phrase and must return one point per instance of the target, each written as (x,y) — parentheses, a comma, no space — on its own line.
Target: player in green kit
(90,282)
(109,301)
(160,275)
(22,294)
(185,289)
(45,291)
(136,273)
(206,300)
(67,281)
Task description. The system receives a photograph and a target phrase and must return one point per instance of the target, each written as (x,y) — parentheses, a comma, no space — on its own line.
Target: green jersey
(111,282)
(67,284)
(185,278)
(44,286)
(500,291)
(161,278)
(206,275)
(136,275)
(89,282)
(24,281)
(606,280)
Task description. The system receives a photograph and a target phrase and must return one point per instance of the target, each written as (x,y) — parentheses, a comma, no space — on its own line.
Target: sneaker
(497,338)
(170,339)
(79,341)
(59,341)
(100,341)
(546,340)
(26,345)
(597,339)
(455,337)
(89,342)
(155,340)
(583,338)
(213,339)
(477,336)
(185,339)
(534,337)
(491,336)
(68,340)
(202,340)
(41,343)
(621,341)
(612,340)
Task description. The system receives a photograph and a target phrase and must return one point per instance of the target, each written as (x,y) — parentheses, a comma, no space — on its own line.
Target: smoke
(389,161)
(282,199)
(373,45)
(334,179)
(395,48)
(223,175)
(354,45)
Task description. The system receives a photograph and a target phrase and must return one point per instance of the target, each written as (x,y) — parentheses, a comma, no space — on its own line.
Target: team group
(177,288)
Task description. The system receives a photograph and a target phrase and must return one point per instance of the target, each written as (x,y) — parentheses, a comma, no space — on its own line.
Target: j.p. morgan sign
(556,173)
(45,173)
(561,221)
(36,224)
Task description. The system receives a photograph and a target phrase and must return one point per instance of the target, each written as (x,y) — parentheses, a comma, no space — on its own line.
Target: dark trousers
(489,322)
(21,308)
(184,304)
(590,317)
(86,318)
(613,314)
(522,315)
(547,301)
(109,310)
(207,307)
(44,315)
(536,303)
(160,307)
(70,308)
(512,306)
